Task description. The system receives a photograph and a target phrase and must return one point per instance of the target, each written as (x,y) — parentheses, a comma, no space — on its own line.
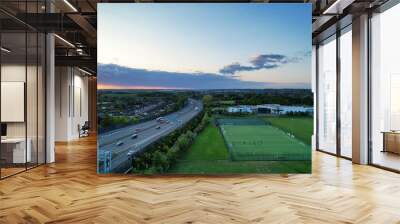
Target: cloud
(262,61)
(235,67)
(268,61)
(130,78)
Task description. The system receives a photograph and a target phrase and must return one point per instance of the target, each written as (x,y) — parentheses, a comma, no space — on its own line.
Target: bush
(160,161)
(204,122)
(162,154)
(298,114)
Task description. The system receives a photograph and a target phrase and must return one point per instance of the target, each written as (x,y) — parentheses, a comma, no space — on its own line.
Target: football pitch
(210,154)
(256,140)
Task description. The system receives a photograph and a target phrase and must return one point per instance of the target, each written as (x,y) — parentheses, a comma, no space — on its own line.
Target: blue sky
(265,43)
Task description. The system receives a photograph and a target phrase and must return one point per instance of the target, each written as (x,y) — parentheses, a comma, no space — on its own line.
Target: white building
(242,109)
(270,109)
(295,109)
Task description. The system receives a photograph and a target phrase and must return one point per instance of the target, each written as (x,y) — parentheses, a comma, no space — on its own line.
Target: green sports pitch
(256,140)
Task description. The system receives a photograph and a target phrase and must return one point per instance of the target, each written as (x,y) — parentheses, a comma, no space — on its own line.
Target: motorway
(120,146)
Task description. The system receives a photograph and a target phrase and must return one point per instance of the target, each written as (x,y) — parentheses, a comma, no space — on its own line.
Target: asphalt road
(147,133)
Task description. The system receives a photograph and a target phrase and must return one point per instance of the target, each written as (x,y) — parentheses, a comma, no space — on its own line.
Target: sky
(247,45)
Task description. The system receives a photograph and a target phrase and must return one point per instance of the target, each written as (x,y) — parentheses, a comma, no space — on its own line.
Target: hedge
(161,155)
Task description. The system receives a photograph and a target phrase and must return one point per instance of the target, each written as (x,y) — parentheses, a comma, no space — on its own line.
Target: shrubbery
(119,120)
(299,114)
(160,156)
(236,114)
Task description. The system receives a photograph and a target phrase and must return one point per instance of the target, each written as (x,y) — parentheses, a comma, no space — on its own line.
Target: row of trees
(298,114)
(254,98)
(162,155)
(117,121)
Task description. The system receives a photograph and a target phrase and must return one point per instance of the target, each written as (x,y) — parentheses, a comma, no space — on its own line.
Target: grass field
(209,145)
(263,142)
(301,127)
(209,155)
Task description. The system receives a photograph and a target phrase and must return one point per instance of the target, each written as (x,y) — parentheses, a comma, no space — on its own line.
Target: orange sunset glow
(112,86)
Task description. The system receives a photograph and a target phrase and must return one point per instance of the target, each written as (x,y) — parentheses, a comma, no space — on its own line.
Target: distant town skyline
(192,46)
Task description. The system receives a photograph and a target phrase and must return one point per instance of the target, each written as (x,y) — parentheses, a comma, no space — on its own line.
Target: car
(137,130)
(130,153)
(161,120)
(134,136)
(158,127)
(119,143)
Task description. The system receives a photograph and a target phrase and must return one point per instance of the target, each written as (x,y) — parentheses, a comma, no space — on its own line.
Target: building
(355,82)
(242,109)
(48,79)
(295,109)
(268,109)
(275,109)
(283,109)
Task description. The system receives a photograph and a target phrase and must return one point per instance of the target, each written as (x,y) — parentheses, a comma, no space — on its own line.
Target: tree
(160,161)
(106,122)
(161,155)
(207,99)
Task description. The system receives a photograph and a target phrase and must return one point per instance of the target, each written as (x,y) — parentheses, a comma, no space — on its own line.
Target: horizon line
(187,89)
